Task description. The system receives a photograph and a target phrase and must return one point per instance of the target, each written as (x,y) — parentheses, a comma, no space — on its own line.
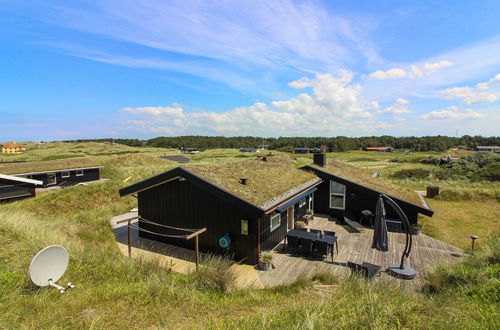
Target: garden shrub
(412,173)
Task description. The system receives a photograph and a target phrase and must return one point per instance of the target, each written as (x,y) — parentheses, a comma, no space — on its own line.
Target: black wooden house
(65,172)
(255,202)
(13,188)
(347,191)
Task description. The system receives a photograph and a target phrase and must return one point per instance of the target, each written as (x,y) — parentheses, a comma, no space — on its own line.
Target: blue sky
(139,69)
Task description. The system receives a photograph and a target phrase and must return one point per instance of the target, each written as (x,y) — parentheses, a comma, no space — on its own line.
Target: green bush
(290,149)
(431,160)
(412,173)
(490,173)
(216,273)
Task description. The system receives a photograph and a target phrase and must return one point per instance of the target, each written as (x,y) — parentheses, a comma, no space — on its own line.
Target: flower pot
(265,265)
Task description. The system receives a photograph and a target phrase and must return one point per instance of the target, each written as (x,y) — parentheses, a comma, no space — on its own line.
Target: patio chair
(366,269)
(306,248)
(329,233)
(292,242)
(315,231)
(322,249)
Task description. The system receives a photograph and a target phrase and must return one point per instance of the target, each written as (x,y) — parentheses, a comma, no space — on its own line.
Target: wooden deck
(353,246)
(356,247)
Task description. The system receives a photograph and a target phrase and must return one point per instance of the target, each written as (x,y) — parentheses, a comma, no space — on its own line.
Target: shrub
(216,273)
(490,173)
(266,256)
(462,167)
(431,160)
(412,173)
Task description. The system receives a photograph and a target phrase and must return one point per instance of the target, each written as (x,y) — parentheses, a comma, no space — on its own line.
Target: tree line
(338,143)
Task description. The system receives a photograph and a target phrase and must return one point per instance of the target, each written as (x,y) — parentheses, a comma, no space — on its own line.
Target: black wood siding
(186,205)
(88,175)
(269,239)
(14,190)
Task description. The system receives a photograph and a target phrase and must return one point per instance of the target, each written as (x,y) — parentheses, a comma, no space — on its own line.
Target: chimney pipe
(243,181)
(319,159)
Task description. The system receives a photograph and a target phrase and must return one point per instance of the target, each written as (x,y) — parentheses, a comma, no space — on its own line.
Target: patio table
(300,234)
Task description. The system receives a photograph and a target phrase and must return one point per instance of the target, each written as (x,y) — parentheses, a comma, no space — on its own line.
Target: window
(79,173)
(65,174)
(337,195)
(51,178)
(302,202)
(244,227)
(275,221)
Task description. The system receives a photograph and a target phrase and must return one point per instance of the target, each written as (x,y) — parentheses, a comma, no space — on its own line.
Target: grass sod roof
(266,180)
(50,165)
(364,177)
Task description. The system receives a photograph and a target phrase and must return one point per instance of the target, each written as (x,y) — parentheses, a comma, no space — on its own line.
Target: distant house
(64,172)
(488,148)
(263,147)
(380,149)
(254,202)
(306,150)
(347,190)
(189,150)
(12,148)
(176,158)
(13,188)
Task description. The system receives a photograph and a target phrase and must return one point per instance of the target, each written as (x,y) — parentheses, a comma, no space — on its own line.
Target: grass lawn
(113,291)
(455,221)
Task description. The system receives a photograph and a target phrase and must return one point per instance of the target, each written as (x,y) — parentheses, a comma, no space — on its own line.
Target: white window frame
(311,201)
(79,173)
(65,174)
(337,194)
(55,179)
(278,215)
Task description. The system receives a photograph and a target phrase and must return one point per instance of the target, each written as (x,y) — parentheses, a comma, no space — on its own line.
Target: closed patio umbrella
(380,240)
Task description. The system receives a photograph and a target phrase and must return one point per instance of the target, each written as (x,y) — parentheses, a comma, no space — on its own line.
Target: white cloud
(495,79)
(469,95)
(415,71)
(430,68)
(400,107)
(452,113)
(331,97)
(484,92)
(240,35)
(174,111)
(334,105)
(389,74)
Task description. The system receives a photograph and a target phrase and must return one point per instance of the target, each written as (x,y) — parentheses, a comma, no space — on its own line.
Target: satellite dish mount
(48,266)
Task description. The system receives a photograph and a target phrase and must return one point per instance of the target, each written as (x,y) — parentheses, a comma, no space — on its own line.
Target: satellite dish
(48,266)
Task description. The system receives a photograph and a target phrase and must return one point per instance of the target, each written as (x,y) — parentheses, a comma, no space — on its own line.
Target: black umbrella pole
(405,272)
